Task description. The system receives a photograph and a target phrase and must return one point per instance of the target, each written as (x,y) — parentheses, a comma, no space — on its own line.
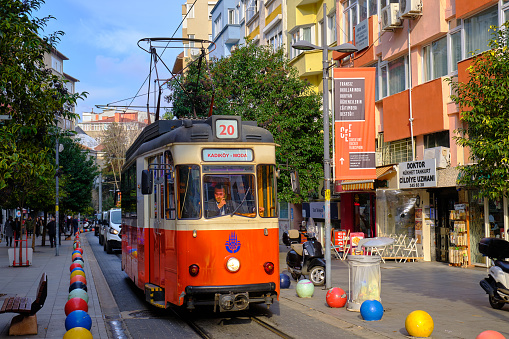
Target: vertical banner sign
(354,123)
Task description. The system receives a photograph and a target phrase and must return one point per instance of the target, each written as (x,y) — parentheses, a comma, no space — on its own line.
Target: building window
(455,50)
(211,7)
(252,9)
(437,139)
(231,16)
(393,75)
(395,151)
(331,29)
(217,26)
(356,11)
(435,59)
(190,11)
(56,64)
(477,31)
(301,33)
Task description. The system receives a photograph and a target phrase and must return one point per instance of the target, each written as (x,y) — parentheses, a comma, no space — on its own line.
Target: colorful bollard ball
(75,304)
(78,293)
(284,280)
(79,261)
(372,310)
(77,258)
(76,251)
(336,297)
(78,318)
(77,272)
(78,269)
(490,334)
(76,255)
(78,278)
(74,265)
(419,324)
(78,333)
(77,284)
(305,288)
(76,245)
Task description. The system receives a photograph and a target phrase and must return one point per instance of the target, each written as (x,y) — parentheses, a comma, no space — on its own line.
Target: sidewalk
(23,281)
(451,295)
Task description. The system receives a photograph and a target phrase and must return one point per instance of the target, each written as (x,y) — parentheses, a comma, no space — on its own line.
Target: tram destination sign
(227,155)
(417,174)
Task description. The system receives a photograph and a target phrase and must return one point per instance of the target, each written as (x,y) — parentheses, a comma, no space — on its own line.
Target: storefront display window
(396,212)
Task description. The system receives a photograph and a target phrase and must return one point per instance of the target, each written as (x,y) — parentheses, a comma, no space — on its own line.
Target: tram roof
(164,132)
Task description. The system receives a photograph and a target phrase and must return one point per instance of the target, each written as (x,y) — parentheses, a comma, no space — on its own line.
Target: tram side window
(169,184)
(266,191)
(188,197)
(128,191)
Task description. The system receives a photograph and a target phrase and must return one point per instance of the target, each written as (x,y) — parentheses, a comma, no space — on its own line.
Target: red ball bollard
(490,334)
(75,304)
(78,277)
(74,265)
(79,249)
(336,297)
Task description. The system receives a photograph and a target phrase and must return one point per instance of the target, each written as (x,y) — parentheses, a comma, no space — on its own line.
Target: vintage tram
(180,243)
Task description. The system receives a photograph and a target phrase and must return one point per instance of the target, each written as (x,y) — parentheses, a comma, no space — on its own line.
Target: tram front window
(189,204)
(228,195)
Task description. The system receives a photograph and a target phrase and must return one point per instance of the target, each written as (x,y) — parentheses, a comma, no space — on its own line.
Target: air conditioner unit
(410,8)
(390,18)
(441,154)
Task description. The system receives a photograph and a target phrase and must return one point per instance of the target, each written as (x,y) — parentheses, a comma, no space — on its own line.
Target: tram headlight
(268,267)
(233,264)
(194,270)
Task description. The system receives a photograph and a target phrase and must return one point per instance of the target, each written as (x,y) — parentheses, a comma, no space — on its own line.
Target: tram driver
(219,205)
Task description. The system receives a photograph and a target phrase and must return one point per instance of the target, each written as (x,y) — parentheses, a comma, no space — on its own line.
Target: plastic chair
(411,248)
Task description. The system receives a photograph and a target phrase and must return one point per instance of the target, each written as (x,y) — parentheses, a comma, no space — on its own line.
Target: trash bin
(364,282)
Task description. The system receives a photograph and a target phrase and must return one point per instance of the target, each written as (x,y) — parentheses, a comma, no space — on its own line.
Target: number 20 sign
(227,129)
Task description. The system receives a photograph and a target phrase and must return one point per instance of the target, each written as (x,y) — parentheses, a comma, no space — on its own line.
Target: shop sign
(317,210)
(417,174)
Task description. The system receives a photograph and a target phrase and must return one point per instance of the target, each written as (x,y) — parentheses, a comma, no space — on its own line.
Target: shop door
(364,214)
(444,202)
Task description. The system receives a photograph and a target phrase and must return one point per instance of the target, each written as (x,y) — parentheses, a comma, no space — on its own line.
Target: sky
(101,43)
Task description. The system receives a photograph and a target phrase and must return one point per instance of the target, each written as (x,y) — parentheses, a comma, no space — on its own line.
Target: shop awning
(357,185)
(383,171)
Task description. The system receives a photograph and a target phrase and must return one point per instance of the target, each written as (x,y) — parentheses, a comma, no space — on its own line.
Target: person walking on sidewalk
(8,232)
(52,231)
(75,225)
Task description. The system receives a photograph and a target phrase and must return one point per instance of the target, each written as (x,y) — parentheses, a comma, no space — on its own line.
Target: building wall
(199,25)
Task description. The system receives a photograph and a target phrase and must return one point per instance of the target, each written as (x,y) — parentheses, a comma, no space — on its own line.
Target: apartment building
(414,46)
(55,62)
(197,24)
(228,27)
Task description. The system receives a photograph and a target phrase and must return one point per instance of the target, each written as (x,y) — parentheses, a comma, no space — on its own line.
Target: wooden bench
(26,322)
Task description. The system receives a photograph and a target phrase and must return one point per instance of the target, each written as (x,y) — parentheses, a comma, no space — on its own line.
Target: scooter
(306,258)
(496,284)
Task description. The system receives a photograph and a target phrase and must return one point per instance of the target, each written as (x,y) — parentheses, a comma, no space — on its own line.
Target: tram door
(156,206)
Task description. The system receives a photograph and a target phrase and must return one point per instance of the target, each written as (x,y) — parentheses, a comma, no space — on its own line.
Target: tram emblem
(233,244)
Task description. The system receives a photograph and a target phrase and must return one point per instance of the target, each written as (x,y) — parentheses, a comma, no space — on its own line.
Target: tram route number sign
(417,174)
(227,129)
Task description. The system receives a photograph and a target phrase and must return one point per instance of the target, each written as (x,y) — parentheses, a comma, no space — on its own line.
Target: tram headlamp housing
(268,267)
(194,270)
(233,264)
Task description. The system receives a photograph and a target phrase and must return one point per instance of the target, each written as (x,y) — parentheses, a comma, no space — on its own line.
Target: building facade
(413,50)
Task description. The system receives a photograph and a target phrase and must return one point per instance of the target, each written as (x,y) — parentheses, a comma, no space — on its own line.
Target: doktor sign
(417,174)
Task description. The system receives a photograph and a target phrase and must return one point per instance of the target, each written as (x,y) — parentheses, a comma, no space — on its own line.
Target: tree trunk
(44,228)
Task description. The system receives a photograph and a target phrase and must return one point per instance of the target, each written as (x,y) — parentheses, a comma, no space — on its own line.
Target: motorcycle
(496,284)
(306,258)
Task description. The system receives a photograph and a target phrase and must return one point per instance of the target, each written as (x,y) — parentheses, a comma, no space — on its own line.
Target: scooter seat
(297,248)
(504,265)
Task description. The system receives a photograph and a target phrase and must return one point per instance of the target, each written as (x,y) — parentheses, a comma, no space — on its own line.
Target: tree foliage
(31,95)
(258,84)
(484,110)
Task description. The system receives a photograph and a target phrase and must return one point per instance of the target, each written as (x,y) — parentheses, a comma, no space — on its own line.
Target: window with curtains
(393,76)
(435,59)
(477,32)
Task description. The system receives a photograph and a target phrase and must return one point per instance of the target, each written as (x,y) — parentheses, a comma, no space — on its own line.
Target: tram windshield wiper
(237,208)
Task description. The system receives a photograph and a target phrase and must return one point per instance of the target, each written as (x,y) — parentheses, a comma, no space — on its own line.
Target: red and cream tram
(199,216)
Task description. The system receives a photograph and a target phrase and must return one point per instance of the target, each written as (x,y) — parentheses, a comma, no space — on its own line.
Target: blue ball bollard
(78,318)
(78,284)
(284,280)
(372,310)
(305,288)
(77,269)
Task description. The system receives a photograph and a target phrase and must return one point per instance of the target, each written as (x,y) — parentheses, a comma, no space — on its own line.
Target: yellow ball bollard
(78,333)
(419,324)
(77,272)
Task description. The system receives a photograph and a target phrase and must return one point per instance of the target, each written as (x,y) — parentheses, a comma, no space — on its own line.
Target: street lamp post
(345,48)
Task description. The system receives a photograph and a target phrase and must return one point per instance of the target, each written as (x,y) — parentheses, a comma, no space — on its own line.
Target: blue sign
(233,244)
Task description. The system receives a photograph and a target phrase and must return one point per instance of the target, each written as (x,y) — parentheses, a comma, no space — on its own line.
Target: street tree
(258,83)
(31,96)
(484,110)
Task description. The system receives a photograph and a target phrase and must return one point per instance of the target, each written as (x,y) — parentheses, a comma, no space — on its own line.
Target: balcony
(231,34)
(307,2)
(308,63)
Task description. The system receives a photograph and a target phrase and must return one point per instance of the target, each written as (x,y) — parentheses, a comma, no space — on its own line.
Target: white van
(112,221)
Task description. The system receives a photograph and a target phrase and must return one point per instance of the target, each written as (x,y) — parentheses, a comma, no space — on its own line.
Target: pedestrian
(38,224)
(30,225)
(16,227)
(74,225)
(8,231)
(52,231)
